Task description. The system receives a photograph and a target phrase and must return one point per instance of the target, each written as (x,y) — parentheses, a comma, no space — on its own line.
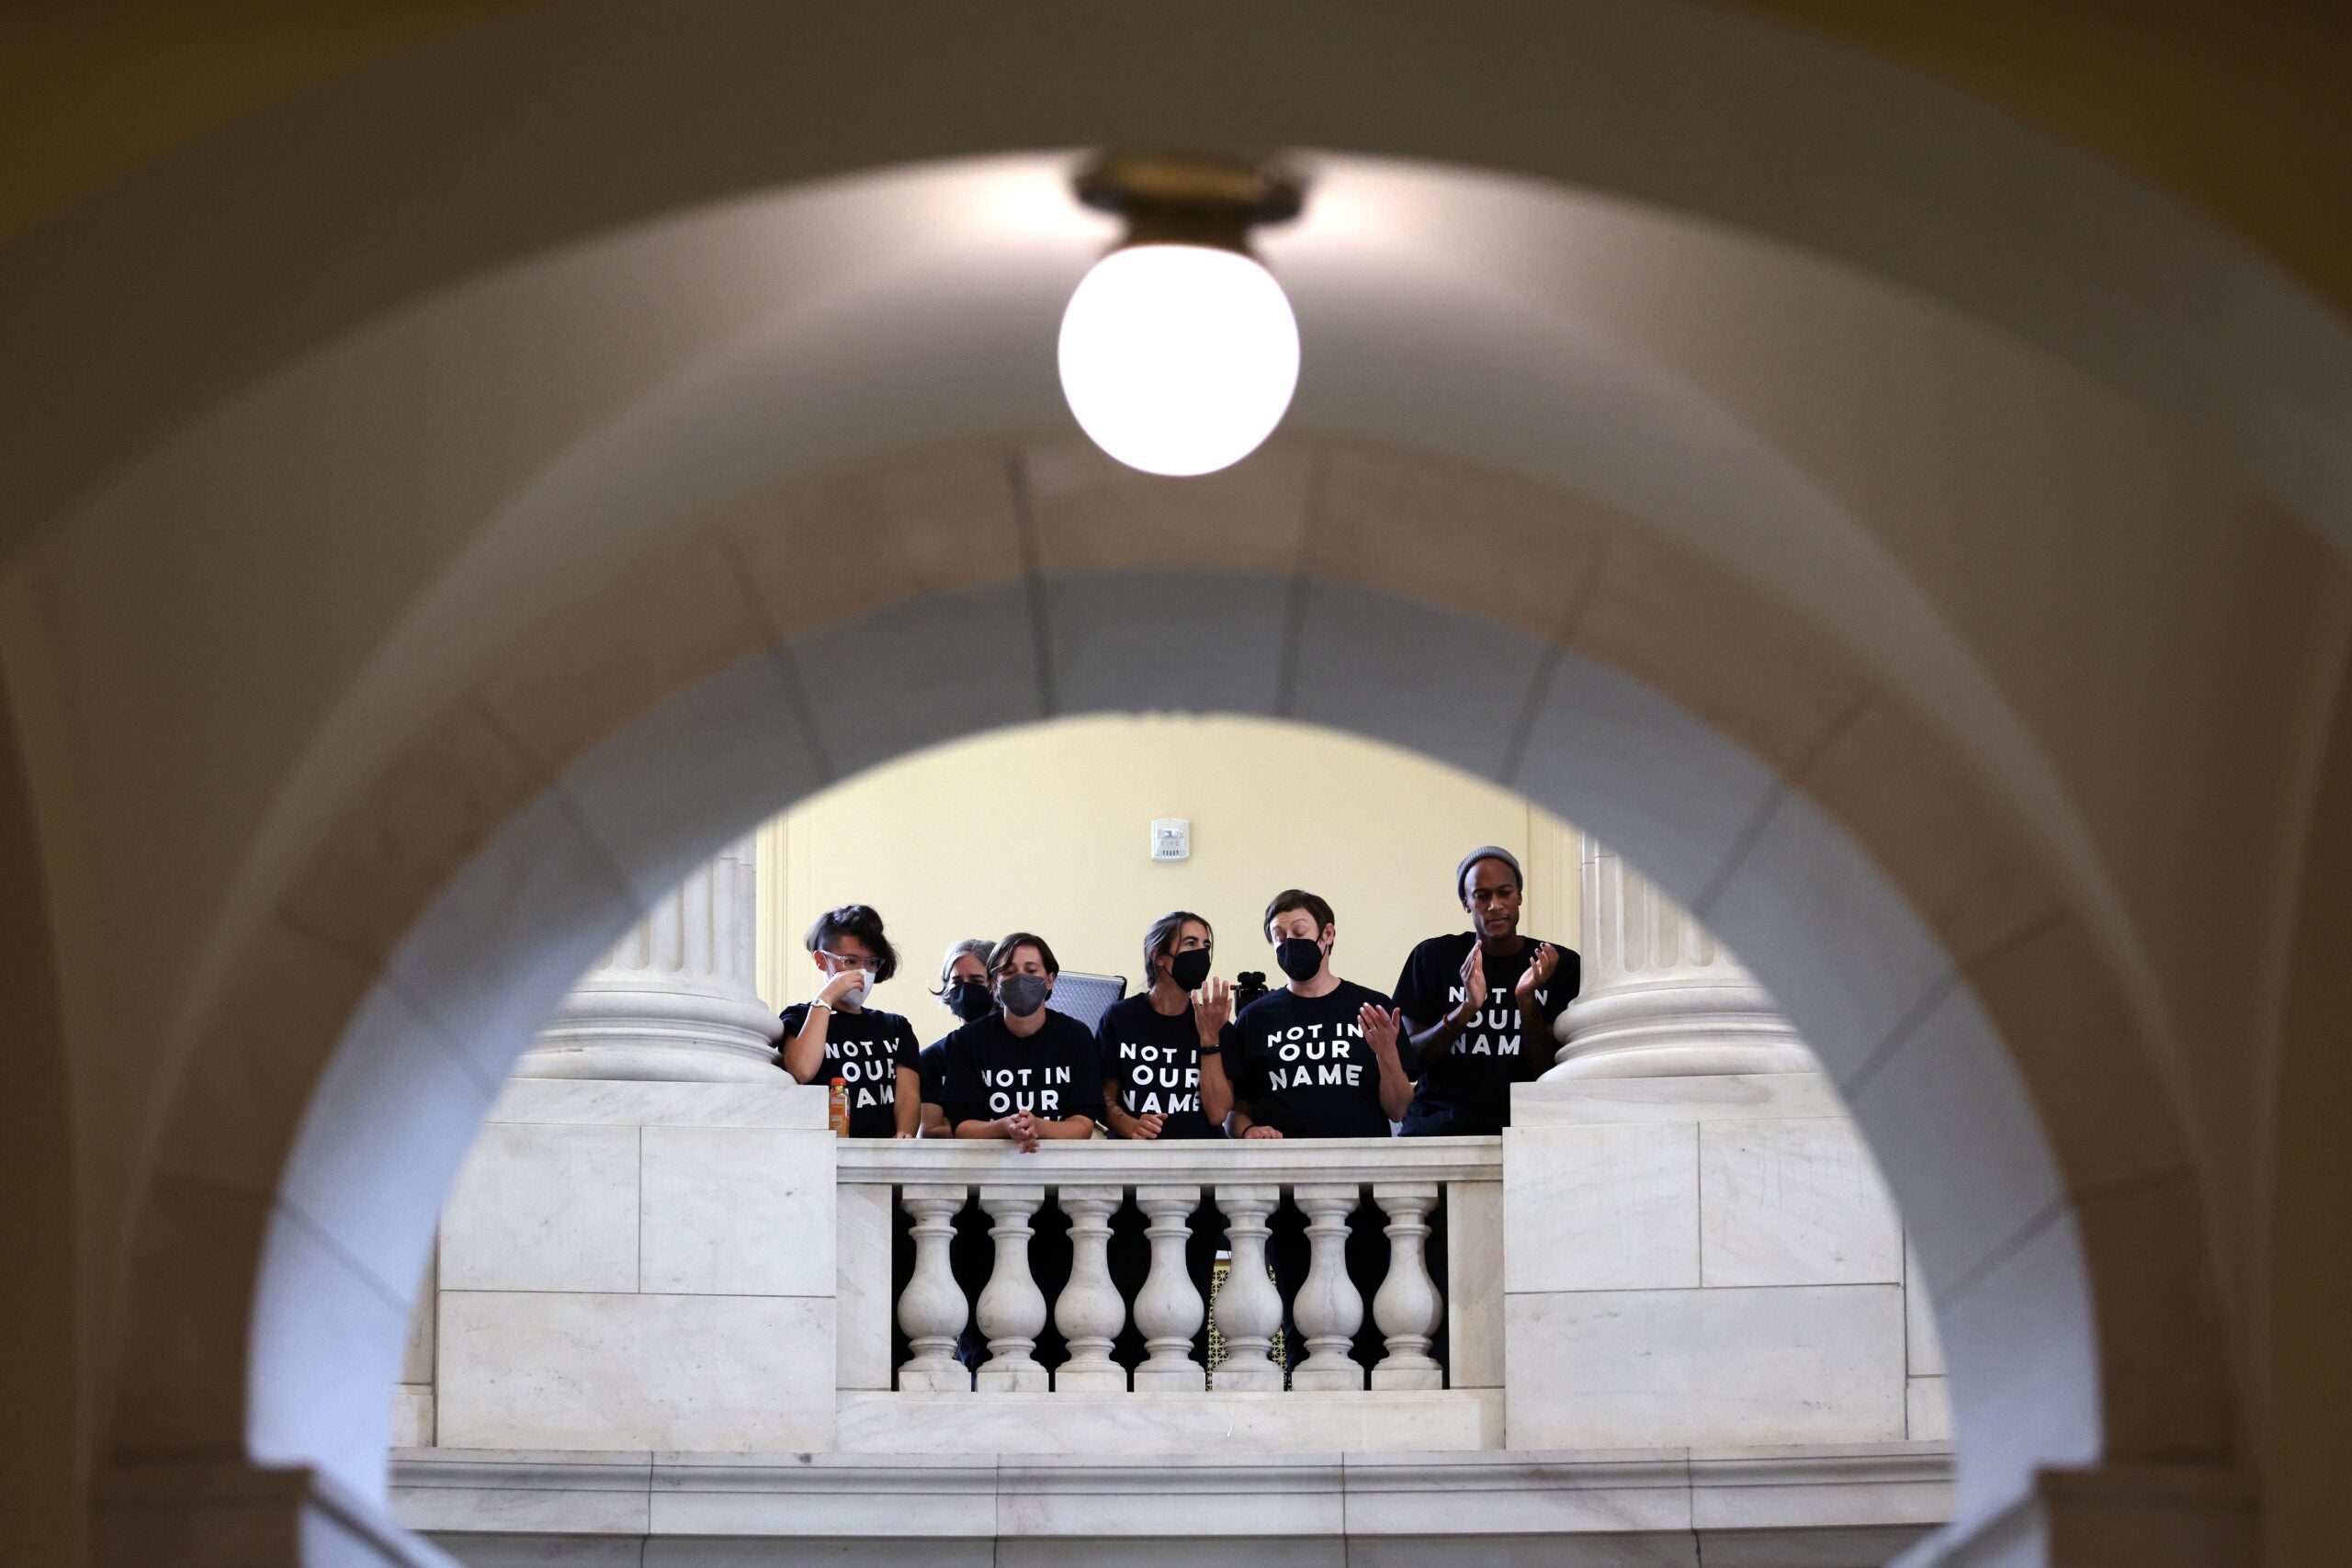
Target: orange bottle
(837,1112)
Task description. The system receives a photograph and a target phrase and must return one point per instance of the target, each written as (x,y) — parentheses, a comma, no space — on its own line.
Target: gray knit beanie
(1487,851)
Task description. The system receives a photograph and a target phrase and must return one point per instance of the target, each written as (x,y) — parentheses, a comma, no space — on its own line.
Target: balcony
(1673,1327)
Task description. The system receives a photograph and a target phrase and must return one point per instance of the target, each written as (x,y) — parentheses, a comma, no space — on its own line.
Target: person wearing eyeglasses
(837,1035)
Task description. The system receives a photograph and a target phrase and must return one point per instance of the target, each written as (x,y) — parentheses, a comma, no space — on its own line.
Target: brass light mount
(1188,199)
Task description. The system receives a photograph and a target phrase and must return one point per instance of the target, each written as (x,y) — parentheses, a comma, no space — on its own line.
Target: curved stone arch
(1733,121)
(1758,774)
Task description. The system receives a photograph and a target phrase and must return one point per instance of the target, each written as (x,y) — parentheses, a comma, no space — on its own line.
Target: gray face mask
(1021,994)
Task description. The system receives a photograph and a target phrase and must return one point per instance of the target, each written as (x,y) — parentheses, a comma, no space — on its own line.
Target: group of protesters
(1472,1014)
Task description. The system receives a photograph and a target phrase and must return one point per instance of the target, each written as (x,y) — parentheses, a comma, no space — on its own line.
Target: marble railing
(1088,1182)
(1698,1262)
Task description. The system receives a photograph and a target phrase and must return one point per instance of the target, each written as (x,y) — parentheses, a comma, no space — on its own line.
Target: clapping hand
(1539,972)
(1381,1026)
(1473,984)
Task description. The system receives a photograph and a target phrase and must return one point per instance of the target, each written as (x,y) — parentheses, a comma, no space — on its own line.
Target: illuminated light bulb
(1179,359)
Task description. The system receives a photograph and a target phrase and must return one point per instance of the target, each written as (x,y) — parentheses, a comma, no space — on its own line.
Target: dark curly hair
(861,921)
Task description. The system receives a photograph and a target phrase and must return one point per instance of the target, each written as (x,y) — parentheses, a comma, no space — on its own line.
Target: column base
(1311,1379)
(1423,1378)
(1014,1379)
(1679,1058)
(1172,1380)
(1231,1378)
(954,1378)
(650,1061)
(1095,1379)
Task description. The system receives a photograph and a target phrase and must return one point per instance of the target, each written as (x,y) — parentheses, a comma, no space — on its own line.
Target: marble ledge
(1274,1161)
(1731,1096)
(1256,1425)
(1778,1494)
(783,1104)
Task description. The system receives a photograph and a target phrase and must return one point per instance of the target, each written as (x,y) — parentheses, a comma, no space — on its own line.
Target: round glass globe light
(1179,359)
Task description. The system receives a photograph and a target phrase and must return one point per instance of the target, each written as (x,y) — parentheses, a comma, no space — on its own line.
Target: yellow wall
(1046,827)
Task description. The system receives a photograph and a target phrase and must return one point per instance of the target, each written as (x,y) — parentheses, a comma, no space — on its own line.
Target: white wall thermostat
(1171,837)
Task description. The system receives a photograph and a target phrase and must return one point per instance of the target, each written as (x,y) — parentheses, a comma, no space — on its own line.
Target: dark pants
(1130,1252)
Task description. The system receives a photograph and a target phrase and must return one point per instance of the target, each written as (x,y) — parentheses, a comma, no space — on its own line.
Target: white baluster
(1407,1305)
(1248,1308)
(1168,1307)
(1328,1308)
(1090,1312)
(1011,1308)
(932,1309)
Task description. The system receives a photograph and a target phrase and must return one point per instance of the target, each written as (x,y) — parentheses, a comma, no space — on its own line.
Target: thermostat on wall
(1171,837)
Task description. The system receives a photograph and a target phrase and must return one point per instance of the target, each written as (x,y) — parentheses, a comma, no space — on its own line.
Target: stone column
(1662,998)
(675,999)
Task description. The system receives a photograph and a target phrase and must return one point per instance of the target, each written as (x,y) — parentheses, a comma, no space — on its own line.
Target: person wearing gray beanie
(1479,1006)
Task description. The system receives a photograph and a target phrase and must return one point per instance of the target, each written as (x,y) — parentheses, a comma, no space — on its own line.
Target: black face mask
(1022,995)
(1189,969)
(969,1000)
(1300,957)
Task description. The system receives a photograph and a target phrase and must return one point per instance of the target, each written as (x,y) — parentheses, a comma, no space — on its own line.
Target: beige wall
(1046,827)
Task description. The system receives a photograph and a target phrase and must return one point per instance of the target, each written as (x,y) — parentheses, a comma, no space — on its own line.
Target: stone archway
(1758,773)
(199,391)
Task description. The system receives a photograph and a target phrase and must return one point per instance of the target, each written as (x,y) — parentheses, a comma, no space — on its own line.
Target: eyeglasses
(870,963)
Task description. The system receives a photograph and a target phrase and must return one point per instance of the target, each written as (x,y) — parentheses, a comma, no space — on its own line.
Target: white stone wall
(640,1266)
(1701,1260)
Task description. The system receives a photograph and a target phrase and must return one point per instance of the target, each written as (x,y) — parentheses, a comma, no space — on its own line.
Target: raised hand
(1539,973)
(1473,982)
(1381,1026)
(1212,1009)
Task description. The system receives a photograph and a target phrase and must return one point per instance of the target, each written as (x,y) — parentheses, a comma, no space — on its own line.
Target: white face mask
(855,996)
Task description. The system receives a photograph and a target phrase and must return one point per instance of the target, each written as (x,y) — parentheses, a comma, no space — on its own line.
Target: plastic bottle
(837,1111)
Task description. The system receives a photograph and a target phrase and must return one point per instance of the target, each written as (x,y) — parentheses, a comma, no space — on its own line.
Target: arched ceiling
(2238,111)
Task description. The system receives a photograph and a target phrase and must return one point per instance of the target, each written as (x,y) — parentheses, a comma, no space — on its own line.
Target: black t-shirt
(1156,1060)
(932,1067)
(992,1072)
(1468,1089)
(866,1049)
(1304,1067)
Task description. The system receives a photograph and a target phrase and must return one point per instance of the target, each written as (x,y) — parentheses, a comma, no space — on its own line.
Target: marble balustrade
(1088,1182)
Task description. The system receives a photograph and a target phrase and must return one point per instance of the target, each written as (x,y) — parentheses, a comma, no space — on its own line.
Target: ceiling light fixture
(1179,350)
